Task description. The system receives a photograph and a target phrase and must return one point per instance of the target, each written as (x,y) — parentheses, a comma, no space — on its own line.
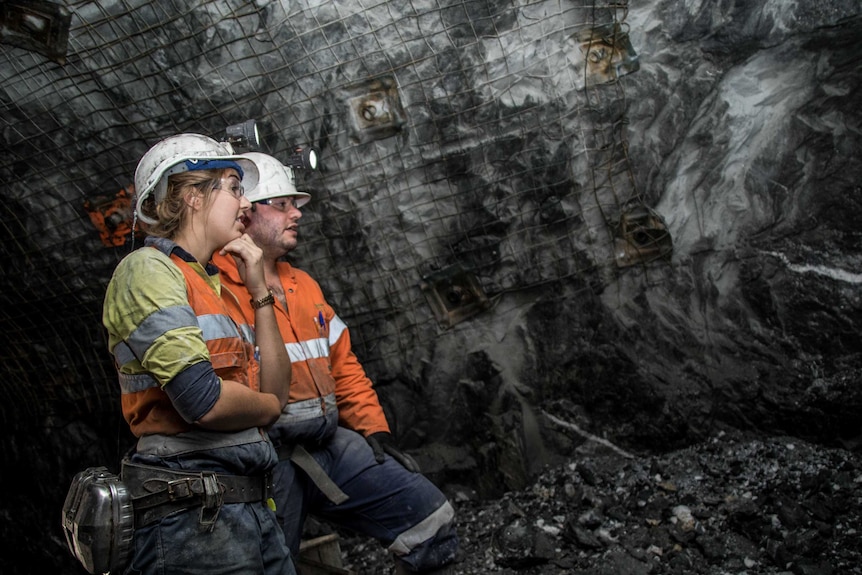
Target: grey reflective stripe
(213,326)
(309,349)
(130,383)
(217,326)
(247,332)
(336,328)
(307,409)
(423,531)
(316,348)
(196,440)
(123,353)
(158,324)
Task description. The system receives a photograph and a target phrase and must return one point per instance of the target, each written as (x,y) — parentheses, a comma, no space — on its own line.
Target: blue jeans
(401,509)
(245,537)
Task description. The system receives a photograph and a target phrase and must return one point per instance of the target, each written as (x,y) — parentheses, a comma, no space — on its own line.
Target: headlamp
(244,136)
(302,158)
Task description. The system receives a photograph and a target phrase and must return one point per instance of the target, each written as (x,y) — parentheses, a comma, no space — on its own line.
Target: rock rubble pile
(730,505)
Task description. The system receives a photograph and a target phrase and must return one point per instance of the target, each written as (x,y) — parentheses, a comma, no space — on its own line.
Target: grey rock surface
(639,222)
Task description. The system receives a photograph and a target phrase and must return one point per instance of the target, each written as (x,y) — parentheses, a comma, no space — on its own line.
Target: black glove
(382,442)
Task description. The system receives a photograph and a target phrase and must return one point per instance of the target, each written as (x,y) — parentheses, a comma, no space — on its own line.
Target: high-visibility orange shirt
(185,322)
(318,343)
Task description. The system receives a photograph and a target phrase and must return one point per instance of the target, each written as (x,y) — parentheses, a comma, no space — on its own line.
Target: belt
(158,491)
(303,459)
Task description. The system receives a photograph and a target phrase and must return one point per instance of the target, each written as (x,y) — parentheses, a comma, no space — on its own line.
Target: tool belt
(157,492)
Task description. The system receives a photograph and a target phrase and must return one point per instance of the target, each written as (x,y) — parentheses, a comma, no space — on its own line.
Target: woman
(193,390)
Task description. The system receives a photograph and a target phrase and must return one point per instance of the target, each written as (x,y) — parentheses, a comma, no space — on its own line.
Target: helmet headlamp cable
(134,227)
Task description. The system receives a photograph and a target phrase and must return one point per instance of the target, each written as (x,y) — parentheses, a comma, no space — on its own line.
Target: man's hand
(382,442)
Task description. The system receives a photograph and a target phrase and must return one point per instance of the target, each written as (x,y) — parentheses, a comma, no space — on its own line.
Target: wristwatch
(266,300)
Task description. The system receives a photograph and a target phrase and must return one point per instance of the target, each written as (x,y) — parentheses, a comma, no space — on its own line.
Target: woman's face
(226,206)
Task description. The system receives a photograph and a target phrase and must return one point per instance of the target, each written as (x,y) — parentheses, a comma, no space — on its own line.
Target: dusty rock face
(663,229)
(751,192)
(735,133)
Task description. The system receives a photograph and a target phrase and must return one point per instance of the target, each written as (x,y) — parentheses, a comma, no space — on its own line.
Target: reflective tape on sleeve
(158,324)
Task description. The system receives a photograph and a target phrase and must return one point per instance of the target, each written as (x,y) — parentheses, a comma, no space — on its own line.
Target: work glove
(382,442)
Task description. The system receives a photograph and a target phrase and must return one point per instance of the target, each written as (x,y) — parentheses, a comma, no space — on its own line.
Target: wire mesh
(483,134)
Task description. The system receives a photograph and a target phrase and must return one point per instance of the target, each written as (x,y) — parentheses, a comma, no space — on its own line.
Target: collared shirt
(318,343)
(147,307)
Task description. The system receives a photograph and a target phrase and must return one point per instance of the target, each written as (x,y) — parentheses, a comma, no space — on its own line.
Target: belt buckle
(180,488)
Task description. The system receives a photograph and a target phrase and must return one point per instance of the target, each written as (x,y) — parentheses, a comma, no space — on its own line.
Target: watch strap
(266,300)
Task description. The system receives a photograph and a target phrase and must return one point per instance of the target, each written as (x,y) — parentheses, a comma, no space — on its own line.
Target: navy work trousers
(401,509)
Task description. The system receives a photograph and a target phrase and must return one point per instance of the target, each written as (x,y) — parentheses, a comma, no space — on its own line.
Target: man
(338,458)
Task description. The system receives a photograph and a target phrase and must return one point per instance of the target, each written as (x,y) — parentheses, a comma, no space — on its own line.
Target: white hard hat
(275,181)
(182,153)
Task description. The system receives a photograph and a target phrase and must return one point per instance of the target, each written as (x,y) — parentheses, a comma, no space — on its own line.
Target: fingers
(405,460)
(408,462)
(376,448)
(249,260)
(243,246)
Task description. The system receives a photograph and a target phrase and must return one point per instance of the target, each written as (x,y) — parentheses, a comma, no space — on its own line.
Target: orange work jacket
(146,407)
(318,343)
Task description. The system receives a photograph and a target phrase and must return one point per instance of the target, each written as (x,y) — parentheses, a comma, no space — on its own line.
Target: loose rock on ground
(731,505)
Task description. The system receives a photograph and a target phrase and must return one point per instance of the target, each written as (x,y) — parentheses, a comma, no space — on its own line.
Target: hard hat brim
(158,186)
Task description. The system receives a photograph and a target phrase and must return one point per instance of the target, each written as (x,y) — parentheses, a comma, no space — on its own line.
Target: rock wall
(545,223)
